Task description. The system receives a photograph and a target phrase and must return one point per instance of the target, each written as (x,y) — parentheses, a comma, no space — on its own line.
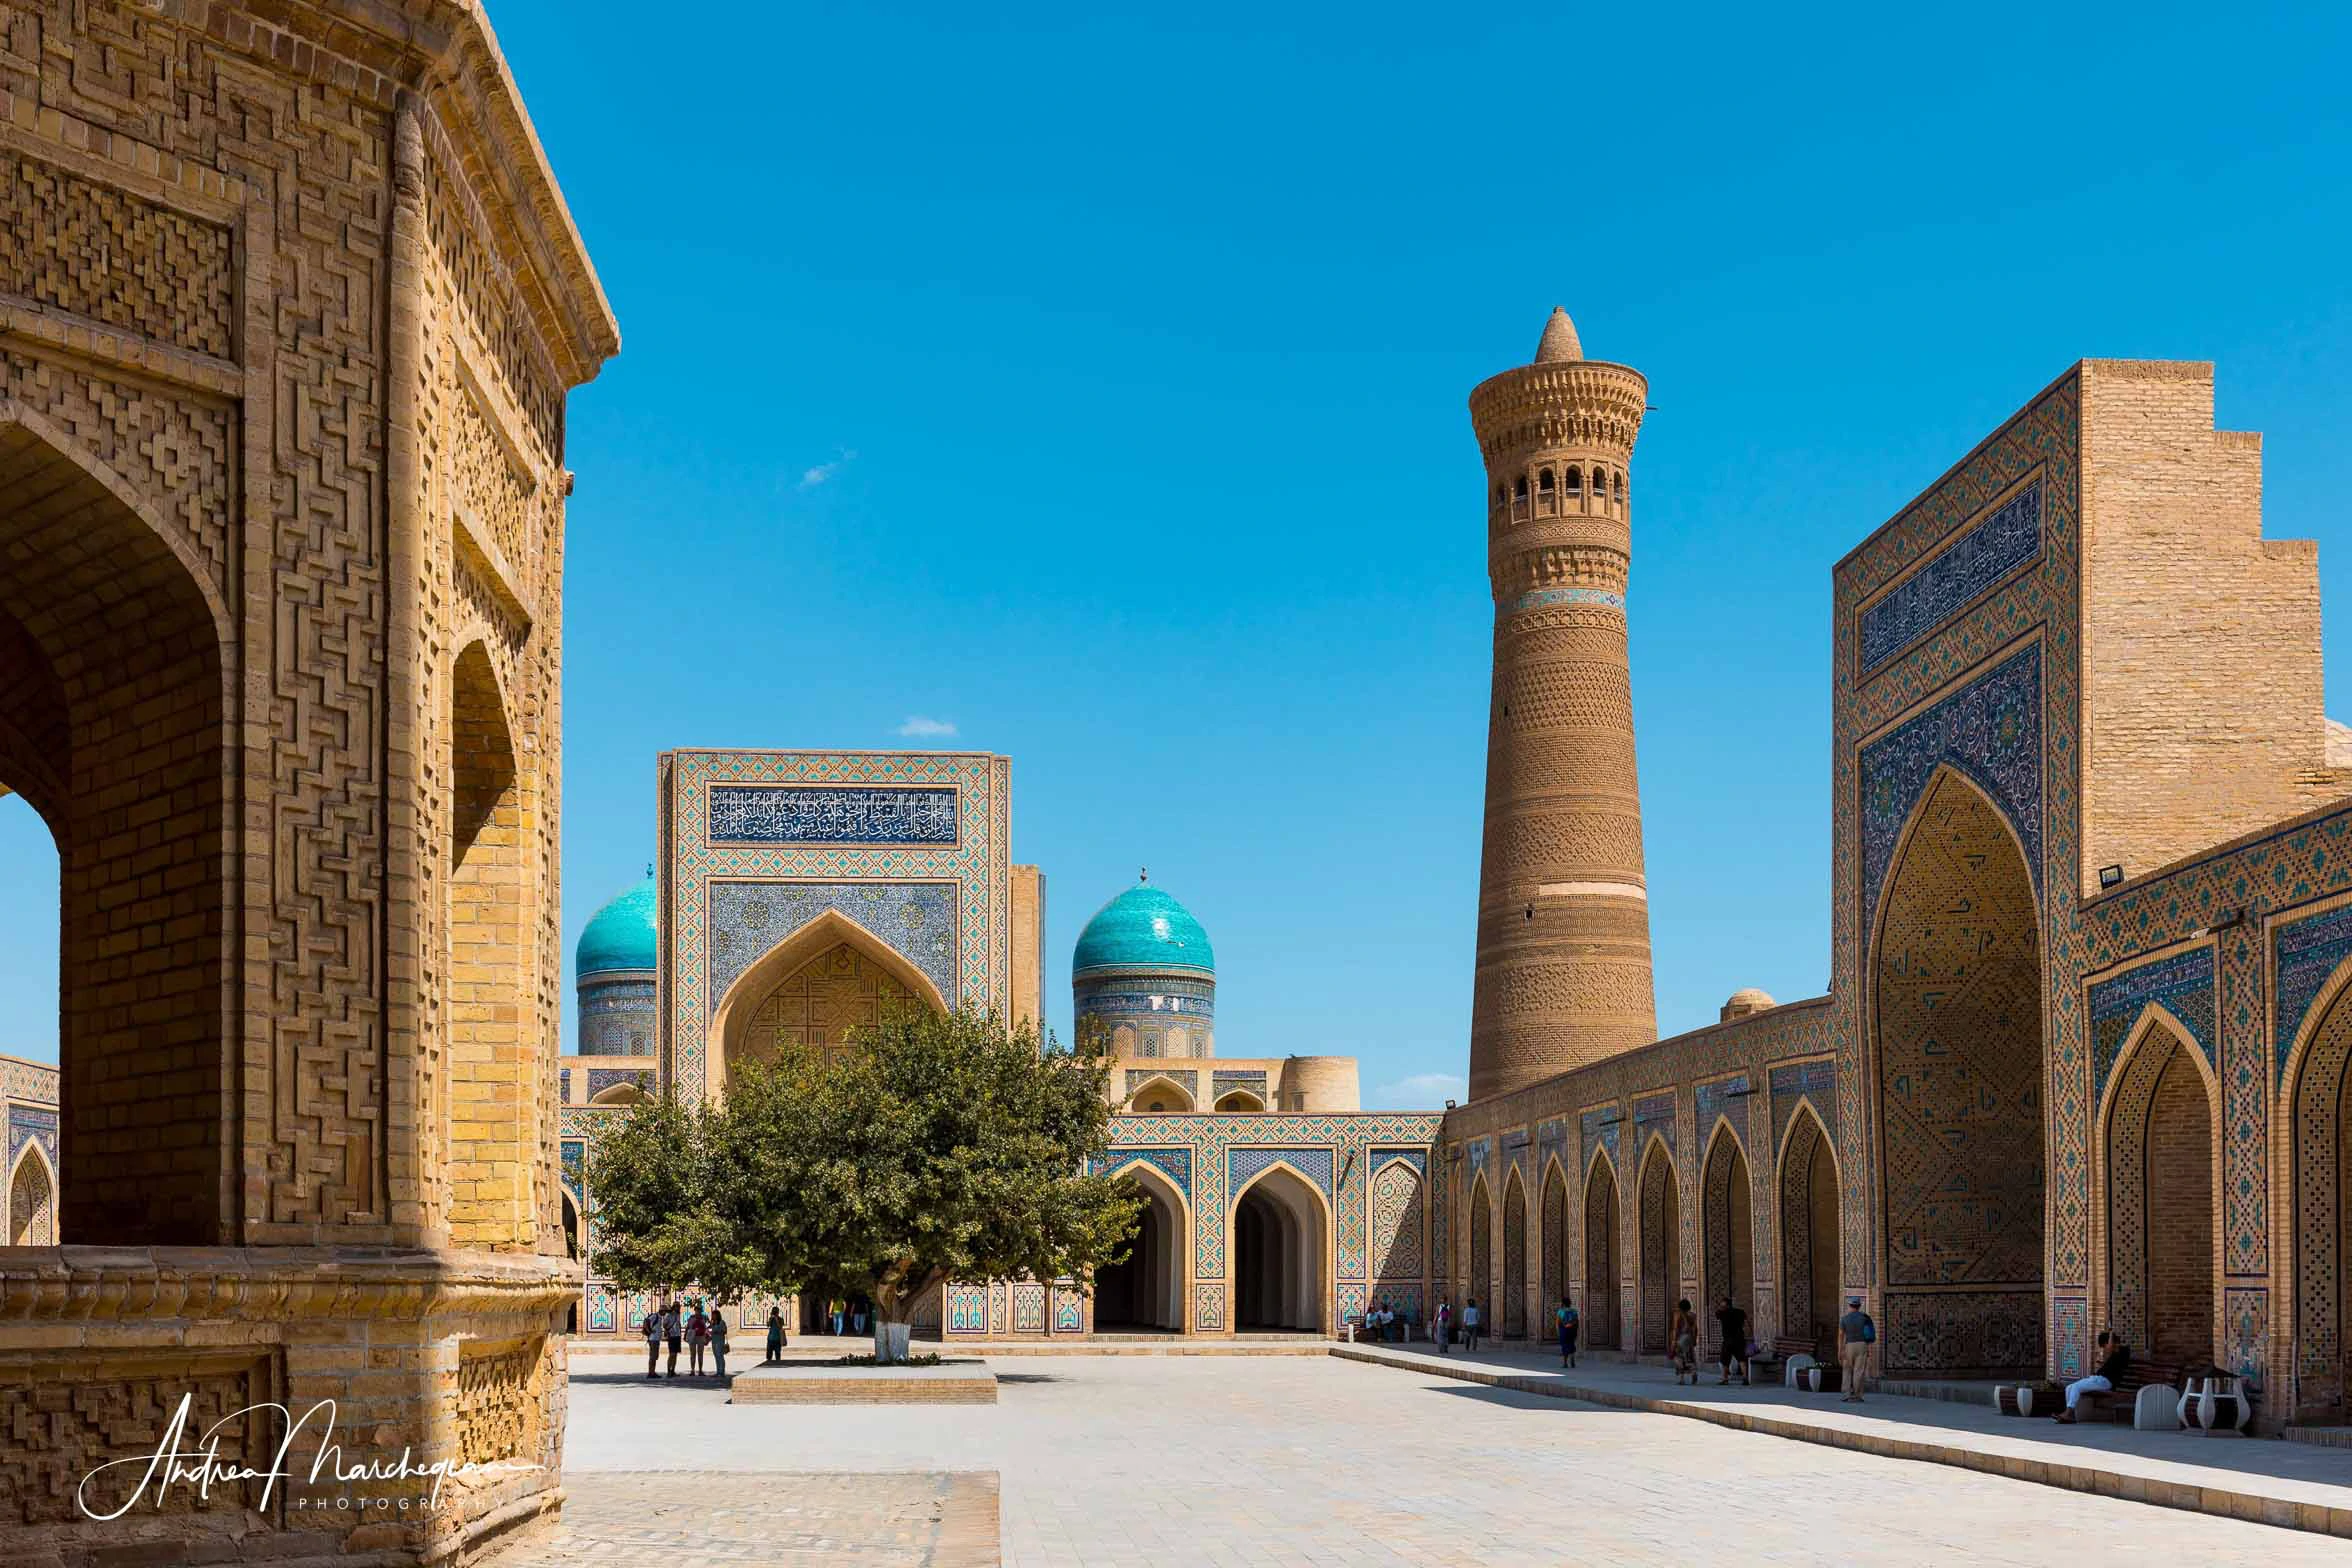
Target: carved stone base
(305,1375)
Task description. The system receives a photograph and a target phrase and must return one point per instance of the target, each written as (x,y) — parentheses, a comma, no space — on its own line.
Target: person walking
(1568,1327)
(718,1343)
(674,1331)
(1471,1323)
(775,1334)
(2114,1361)
(653,1339)
(1732,1324)
(1682,1334)
(1856,1334)
(836,1315)
(1441,1327)
(697,1336)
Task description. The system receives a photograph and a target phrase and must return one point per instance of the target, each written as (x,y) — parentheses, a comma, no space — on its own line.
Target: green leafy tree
(936,1147)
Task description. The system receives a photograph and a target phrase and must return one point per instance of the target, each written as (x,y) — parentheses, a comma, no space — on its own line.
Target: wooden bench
(1770,1365)
(2117,1404)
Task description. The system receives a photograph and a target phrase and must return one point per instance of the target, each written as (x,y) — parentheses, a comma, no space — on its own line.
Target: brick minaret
(1563,916)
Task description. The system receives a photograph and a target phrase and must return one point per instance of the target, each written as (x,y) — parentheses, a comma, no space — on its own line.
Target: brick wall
(2201,639)
(2180,1214)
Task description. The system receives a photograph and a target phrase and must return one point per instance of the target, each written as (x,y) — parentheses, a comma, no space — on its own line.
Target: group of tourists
(695,1331)
(1386,1324)
(1443,1327)
(1855,1335)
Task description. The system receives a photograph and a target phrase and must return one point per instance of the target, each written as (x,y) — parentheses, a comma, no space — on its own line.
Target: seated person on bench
(2115,1360)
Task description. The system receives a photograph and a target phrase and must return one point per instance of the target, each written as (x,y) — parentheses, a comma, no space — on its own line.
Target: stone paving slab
(2293,1485)
(691,1519)
(1285,1462)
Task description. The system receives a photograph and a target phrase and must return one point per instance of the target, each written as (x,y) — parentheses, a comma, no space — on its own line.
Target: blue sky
(1093,381)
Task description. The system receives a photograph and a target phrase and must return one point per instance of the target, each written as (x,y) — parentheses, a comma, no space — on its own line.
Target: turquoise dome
(1143,928)
(625,934)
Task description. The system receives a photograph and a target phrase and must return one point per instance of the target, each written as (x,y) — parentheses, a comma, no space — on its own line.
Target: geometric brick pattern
(1661,1247)
(1603,1269)
(1515,1282)
(1958,995)
(281,431)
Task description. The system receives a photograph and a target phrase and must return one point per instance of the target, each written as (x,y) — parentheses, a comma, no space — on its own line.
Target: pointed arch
(1480,1235)
(1727,1230)
(2311,1189)
(2157,1149)
(1659,1215)
(32,1198)
(1554,1267)
(1159,1093)
(1240,1101)
(1153,1287)
(1955,1029)
(1809,1191)
(728,1035)
(1514,1304)
(1399,1221)
(1604,1266)
(1279,1227)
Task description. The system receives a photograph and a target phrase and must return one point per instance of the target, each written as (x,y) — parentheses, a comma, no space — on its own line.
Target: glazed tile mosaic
(801,814)
(1954,577)
(916,920)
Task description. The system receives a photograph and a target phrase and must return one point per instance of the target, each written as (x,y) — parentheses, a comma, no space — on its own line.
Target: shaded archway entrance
(1603,1307)
(2157,1154)
(1514,1313)
(1145,1292)
(112,695)
(1481,1287)
(1661,1248)
(1809,1233)
(1554,1268)
(2322,1350)
(1727,1226)
(1280,1244)
(1956,1007)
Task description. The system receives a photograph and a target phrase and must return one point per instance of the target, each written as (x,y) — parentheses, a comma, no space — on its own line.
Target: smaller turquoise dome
(1143,928)
(624,934)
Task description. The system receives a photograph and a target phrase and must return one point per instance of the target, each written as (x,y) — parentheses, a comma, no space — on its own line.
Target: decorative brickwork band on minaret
(1563,914)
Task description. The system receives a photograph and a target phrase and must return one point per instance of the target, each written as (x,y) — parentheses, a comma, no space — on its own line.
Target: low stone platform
(952,1382)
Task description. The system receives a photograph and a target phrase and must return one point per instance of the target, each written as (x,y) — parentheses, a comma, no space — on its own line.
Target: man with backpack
(1856,1334)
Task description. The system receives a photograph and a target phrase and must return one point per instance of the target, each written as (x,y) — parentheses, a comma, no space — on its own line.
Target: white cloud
(919,727)
(812,477)
(1420,1092)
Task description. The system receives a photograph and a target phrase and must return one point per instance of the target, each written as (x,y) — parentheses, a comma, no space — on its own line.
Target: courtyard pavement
(2295,1484)
(1285,1460)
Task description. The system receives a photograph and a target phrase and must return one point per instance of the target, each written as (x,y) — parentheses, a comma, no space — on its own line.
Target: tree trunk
(893,1311)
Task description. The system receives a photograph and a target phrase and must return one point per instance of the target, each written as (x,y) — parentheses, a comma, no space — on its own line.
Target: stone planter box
(962,1382)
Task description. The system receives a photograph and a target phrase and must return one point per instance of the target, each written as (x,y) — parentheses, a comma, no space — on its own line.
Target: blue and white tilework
(818,814)
(1977,559)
